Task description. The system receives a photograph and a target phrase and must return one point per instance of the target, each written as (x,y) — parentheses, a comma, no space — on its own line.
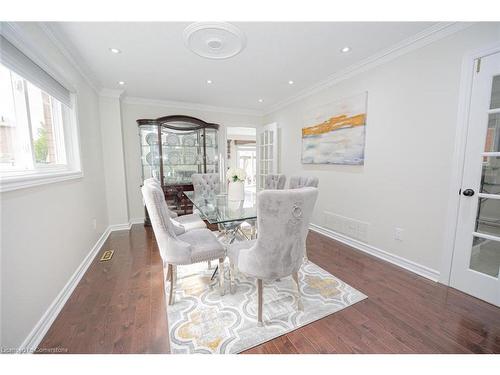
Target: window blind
(18,62)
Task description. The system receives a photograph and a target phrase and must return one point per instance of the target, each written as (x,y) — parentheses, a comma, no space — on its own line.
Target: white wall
(47,231)
(133,110)
(113,156)
(411,123)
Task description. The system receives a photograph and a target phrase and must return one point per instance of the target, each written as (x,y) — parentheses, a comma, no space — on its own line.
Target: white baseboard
(409,265)
(38,332)
(115,227)
(136,220)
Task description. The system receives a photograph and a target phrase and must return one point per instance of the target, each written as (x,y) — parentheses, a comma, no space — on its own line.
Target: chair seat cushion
(235,248)
(204,245)
(190,222)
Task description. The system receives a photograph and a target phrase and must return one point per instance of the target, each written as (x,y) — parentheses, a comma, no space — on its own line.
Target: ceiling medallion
(214,40)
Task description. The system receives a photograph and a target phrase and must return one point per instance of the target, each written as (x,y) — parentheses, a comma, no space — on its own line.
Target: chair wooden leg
(259,298)
(300,306)
(221,276)
(169,269)
(172,273)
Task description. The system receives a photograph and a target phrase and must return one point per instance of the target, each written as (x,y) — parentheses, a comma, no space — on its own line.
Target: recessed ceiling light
(290,82)
(209,81)
(345,49)
(261,100)
(121,83)
(115,50)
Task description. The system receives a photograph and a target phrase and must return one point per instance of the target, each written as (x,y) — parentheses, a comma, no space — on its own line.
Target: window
(37,127)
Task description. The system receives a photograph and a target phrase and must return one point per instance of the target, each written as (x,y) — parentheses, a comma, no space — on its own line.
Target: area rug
(203,321)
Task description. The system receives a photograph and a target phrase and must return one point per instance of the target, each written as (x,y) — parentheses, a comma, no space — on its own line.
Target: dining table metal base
(228,232)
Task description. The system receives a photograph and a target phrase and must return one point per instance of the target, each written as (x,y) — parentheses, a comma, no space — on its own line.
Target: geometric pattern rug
(203,321)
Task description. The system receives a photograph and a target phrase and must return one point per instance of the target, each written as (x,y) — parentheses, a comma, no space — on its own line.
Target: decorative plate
(189,140)
(190,157)
(172,139)
(173,157)
(151,139)
(152,157)
(167,171)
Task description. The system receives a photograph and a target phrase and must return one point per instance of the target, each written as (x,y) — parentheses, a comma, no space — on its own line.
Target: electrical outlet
(398,234)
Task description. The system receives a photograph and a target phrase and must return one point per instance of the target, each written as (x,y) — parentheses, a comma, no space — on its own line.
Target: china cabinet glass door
(182,155)
(150,151)
(172,149)
(211,151)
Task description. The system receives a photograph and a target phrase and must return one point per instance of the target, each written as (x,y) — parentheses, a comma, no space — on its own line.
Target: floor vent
(107,255)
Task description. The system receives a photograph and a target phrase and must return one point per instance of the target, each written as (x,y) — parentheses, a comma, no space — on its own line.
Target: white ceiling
(155,63)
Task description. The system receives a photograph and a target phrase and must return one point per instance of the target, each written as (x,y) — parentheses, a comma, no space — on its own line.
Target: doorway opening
(242,153)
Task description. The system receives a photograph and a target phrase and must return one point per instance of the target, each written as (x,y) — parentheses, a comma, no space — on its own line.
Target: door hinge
(478,65)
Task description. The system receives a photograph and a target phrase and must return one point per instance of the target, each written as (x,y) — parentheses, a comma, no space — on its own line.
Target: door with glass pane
(267,152)
(476,259)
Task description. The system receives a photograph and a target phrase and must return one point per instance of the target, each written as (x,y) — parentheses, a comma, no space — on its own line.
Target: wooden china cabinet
(172,149)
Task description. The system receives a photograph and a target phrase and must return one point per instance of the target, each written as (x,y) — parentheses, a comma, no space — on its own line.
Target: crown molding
(191,106)
(111,93)
(419,40)
(68,52)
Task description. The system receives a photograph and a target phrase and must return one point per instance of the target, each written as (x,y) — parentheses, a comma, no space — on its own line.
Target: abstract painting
(335,133)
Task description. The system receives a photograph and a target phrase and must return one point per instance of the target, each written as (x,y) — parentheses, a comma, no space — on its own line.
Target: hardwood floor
(119,307)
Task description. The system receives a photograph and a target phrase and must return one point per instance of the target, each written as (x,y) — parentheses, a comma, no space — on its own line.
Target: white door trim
(275,157)
(468,65)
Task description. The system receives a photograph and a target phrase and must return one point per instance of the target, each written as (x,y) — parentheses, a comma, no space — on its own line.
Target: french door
(476,259)
(267,152)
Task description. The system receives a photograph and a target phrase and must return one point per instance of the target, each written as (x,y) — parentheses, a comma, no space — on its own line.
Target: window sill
(36,179)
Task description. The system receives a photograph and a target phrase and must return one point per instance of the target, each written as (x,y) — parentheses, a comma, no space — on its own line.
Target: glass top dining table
(218,209)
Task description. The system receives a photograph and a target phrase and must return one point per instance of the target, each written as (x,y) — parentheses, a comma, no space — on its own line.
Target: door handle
(468,192)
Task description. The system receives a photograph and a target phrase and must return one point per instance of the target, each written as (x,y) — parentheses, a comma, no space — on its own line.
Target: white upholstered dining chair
(183,223)
(197,245)
(275,181)
(283,218)
(297,182)
(206,184)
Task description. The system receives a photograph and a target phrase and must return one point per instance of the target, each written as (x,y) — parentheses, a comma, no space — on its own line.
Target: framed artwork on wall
(335,133)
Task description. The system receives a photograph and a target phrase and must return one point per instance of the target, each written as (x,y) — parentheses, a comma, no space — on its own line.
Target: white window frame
(14,180)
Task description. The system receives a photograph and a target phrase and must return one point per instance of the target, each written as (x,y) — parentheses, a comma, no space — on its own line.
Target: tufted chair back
(275,181)
(172,250)
(153,181)
(283,218)
(297,182)
(206,183)
(156,183)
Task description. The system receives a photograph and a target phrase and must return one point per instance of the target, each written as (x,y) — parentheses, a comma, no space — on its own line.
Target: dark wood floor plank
(119,307)
(301,343)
